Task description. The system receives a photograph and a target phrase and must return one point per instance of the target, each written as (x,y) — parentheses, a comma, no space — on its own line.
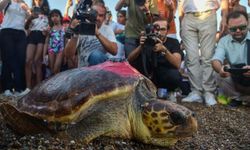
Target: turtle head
(167,121)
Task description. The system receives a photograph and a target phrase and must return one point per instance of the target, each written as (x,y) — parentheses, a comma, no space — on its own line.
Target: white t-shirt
(14,17)
(198,5)
(89,43)
(40,23)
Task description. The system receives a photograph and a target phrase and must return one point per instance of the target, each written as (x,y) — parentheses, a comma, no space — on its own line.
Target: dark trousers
(13,51)
(171,79)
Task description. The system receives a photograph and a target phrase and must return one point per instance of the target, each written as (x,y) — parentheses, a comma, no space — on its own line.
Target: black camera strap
(144,62)
(149,61)
(248,51)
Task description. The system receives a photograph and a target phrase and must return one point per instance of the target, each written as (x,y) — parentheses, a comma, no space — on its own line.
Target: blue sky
(60,4)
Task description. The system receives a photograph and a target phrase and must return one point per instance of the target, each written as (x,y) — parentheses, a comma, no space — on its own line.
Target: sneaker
(16,94)
(172,97)
(245,103)
(26,91)
(235,103)
(194,96)
(7,93)
(209,99)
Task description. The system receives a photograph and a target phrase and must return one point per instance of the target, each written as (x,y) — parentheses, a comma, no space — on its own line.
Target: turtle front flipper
(20,122)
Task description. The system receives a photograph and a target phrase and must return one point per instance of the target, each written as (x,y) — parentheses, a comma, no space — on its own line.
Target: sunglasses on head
(241,28)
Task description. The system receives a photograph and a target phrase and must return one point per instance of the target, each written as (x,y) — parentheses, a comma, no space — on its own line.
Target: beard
(240,39)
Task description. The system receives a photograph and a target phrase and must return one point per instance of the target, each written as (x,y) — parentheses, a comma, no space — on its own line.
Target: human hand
(25,8)
(170,4)
(159,47)
(142,38)
(46,30)
(46,60)
(223,26)
(224,74)
(74,23)
(247,74)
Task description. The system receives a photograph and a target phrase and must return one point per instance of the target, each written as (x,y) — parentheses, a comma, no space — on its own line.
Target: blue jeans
(97,57)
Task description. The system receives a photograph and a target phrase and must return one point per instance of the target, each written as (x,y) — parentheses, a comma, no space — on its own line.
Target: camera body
(36,11)
(151,32)
(87,17)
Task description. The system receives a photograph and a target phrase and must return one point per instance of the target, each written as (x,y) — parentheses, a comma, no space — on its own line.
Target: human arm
(120,4)
(70,46)
(224,9)
(219,68)
(181,14)
(68,5)
(137,51)
(29,20)
(171,5)
(26,8)
(108,45)
(173,58)
(247,74)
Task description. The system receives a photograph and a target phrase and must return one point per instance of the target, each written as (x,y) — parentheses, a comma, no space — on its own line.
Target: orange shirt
(164,12)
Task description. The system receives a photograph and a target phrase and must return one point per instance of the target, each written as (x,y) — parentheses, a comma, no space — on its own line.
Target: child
(37,26)
(55,41)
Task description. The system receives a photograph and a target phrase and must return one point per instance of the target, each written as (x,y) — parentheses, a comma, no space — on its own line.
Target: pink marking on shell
(121,68)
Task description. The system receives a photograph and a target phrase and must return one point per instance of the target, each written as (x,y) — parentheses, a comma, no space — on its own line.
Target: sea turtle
(111,99)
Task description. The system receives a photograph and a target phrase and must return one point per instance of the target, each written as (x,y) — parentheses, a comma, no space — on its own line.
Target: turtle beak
(187,127)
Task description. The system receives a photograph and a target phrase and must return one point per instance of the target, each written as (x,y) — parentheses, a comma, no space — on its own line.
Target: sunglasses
(241,28)
(163,29)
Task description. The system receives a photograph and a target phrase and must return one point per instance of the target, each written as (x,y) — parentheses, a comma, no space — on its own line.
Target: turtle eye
(177,118)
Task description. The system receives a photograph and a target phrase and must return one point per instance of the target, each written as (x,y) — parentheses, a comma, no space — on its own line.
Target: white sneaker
(172,97)
(26,91)
(209,99)
(7,93)
(194,96)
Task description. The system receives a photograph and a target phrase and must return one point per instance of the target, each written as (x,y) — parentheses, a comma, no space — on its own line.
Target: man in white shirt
(92,49)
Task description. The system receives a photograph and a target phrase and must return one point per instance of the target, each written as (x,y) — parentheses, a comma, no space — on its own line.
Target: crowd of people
(37,43)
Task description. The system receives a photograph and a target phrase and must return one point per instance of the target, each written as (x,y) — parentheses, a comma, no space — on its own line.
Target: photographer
(235,48)
(92,49)
(168,58)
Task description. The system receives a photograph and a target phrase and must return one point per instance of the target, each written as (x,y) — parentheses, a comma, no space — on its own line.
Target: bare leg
(58,63)
(52,58)
(28,66)
(38,63)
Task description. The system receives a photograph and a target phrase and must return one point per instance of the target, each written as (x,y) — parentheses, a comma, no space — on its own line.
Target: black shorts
(36,37)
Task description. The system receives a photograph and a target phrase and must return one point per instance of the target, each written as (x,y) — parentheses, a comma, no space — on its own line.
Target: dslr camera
(151,32)
(87,17)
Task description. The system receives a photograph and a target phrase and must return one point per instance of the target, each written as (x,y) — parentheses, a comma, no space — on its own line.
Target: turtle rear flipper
(21,122)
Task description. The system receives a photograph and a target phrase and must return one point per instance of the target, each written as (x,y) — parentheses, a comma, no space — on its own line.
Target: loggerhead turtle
(110,99)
